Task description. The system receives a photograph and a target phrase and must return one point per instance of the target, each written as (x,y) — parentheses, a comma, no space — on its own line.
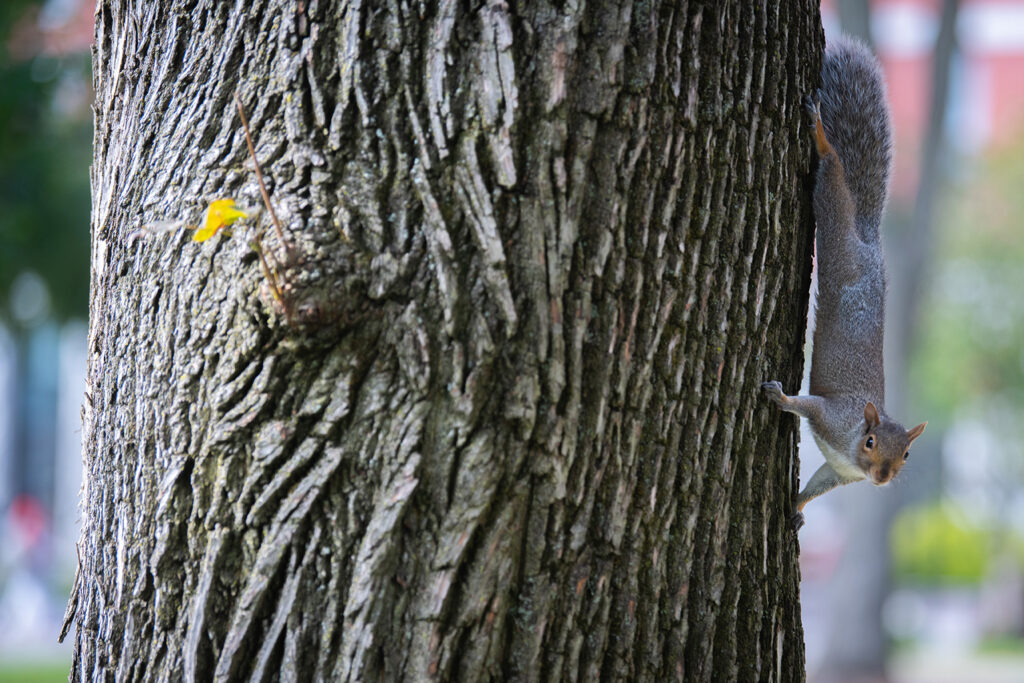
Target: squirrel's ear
(916,432)
(871,415)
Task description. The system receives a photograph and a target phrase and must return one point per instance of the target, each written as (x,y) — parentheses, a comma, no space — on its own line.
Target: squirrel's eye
(906,455)
(870,443)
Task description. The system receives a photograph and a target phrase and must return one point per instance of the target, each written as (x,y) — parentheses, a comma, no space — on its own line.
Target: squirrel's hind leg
(812,105)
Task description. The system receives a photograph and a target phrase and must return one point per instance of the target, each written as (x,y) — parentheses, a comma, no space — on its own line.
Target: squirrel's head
(884,445)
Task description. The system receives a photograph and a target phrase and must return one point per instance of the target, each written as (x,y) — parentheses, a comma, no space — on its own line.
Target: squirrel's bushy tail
(855,111)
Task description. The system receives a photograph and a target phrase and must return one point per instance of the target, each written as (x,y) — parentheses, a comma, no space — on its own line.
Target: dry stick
(271,276)
(268,273)
(259,176)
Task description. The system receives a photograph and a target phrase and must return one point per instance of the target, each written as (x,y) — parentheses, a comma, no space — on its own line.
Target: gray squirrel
(853,135)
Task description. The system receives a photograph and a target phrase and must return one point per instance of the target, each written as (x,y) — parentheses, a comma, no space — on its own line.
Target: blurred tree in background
(971,359)
(968,374)
(45,150)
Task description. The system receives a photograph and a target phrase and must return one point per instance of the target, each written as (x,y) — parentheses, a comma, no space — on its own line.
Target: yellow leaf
(220,214)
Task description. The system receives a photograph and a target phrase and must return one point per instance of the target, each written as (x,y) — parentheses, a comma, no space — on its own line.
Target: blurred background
(923,580)
(45,151)
(920,581)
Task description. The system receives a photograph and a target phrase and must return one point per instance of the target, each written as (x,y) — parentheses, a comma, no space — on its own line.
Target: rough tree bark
(543,256)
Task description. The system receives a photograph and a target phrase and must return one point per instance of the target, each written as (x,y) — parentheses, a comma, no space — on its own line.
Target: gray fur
(850,193)
(855,110)
(848,204)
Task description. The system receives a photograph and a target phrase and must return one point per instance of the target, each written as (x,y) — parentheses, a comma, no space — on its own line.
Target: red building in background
(986,102)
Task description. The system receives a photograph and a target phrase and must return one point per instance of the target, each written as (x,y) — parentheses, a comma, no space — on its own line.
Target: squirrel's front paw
(796,520)
(774,391)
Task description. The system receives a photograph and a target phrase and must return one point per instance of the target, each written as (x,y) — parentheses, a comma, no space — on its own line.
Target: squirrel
(853,135)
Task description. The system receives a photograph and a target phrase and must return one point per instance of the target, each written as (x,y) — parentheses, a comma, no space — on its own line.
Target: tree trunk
(505,423)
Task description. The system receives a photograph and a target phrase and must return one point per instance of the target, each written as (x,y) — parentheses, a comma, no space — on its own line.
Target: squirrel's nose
(882,475)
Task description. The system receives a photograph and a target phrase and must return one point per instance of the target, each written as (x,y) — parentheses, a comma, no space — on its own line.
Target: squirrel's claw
(774,391)
(812,101)
(812,105)
(796,520)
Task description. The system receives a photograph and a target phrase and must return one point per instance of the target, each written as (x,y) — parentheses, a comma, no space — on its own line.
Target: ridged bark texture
(543,255)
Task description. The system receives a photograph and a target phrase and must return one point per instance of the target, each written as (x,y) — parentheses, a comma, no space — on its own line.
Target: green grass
(46,671)
(1003,645)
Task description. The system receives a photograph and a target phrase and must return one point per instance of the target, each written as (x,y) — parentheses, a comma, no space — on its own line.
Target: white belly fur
(838,461)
